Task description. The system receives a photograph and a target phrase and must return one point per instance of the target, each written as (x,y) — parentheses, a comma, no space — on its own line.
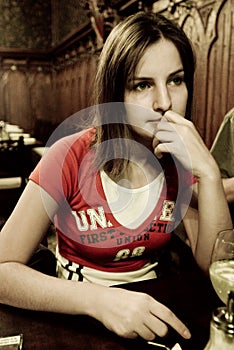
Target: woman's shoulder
(85,137)
(69,149)
(74,143)
(59,164)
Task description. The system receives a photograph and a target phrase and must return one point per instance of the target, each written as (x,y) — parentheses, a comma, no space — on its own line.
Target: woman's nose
(162,99)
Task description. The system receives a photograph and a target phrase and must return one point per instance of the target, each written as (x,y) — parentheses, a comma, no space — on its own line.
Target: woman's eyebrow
(136,79)
(141,78)
(178,71)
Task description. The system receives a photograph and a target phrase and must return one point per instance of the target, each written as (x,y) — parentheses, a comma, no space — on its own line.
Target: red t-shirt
(87,231)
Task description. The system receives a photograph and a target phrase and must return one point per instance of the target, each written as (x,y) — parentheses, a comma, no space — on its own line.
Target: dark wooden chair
(14,160)
(14,170)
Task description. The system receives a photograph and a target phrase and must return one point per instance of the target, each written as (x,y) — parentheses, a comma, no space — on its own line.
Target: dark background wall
(25,24)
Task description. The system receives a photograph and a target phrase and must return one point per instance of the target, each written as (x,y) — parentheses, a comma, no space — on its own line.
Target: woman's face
(158,86)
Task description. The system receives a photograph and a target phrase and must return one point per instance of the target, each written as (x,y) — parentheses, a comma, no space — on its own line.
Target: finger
(162,148)
(156,326)
(130,335)
(170,318)
(166,125)
(166,136)
(155,142)
(174,117)
(146,333)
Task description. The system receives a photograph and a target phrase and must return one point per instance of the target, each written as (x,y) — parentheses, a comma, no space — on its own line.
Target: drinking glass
(222,264)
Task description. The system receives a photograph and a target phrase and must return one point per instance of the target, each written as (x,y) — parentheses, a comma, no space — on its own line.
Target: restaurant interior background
(49,51)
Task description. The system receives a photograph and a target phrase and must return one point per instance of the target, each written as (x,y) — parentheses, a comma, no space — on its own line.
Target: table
(189,294)
(13,132)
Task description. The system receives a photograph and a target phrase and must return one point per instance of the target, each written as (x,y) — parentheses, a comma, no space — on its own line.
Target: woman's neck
(142,167)
(138,173)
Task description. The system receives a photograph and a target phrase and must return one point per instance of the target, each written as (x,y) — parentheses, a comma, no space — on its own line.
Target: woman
(223,152)
(116,191)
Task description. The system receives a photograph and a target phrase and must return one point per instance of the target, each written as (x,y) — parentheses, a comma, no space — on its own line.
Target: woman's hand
(131,314)
(178,136)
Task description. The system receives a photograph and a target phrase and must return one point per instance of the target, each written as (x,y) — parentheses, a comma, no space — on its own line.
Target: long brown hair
(121,53)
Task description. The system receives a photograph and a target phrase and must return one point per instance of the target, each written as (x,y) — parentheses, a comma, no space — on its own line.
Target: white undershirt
(131,207)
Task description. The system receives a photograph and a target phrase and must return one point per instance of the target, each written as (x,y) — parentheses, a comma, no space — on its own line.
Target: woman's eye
(141,86)
(176,81)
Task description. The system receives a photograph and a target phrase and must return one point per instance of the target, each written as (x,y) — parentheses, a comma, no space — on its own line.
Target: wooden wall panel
(210,28)
(26,95)
(61,105)
(3,81)
(42,96)
(75,89)
(220,97)
(16,98)
(74,86)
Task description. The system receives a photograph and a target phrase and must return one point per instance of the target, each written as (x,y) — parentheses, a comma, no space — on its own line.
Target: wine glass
(222,264)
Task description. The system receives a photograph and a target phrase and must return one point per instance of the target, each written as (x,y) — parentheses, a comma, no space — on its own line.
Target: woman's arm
(228,184)
(127,313)
(179,137)
(204,222)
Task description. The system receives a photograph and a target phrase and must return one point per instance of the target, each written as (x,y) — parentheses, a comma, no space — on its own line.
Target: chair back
(13,160)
